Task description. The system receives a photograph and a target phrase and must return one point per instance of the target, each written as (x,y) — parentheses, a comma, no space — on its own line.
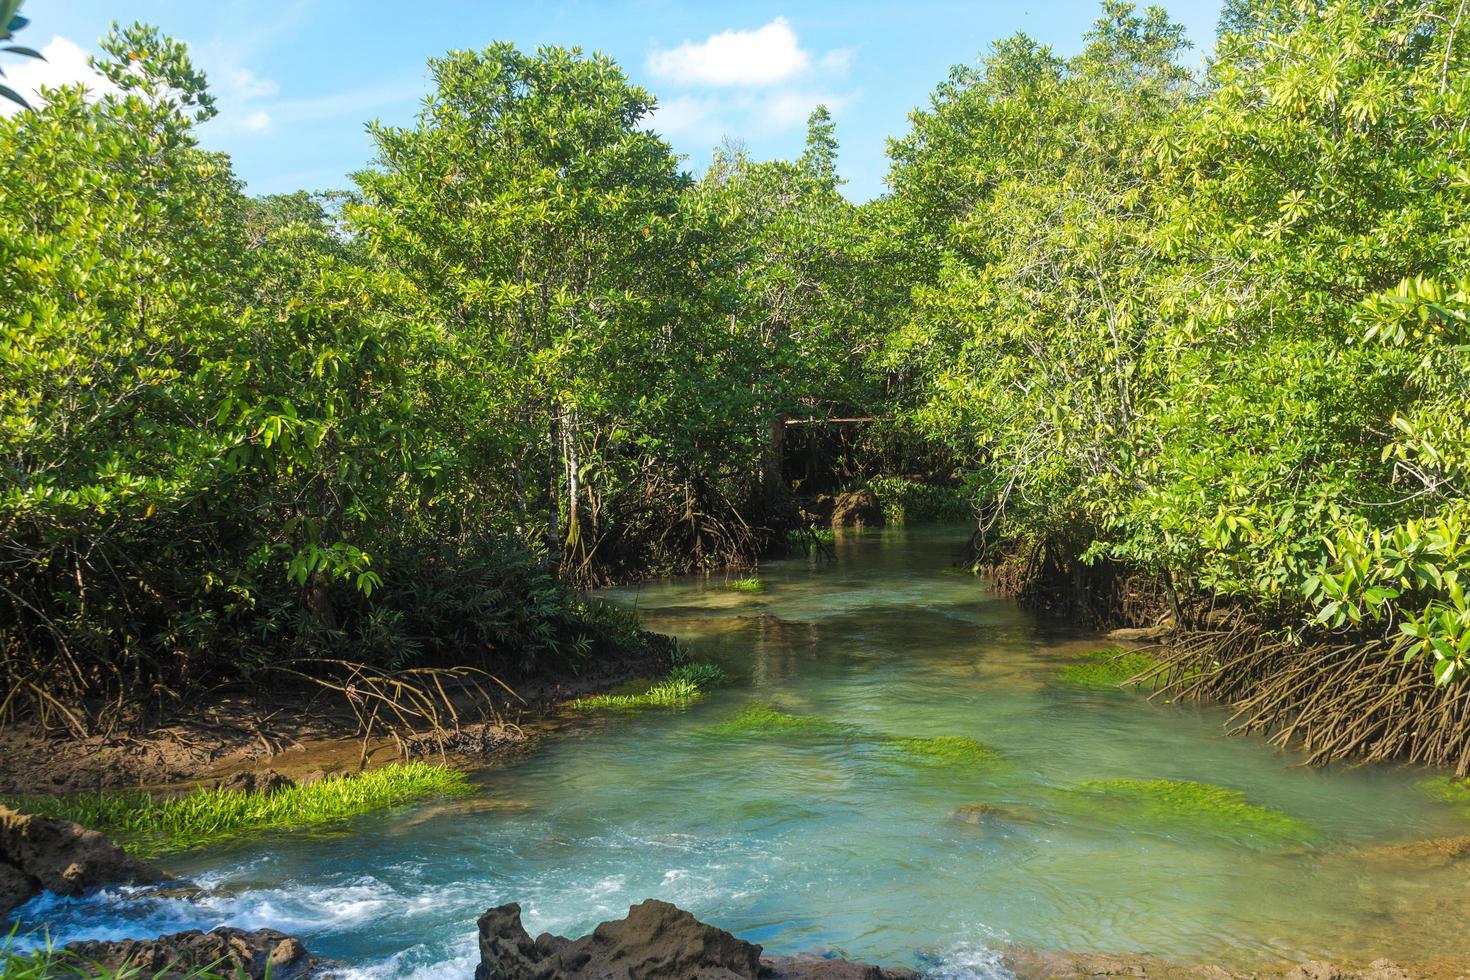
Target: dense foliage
(244,438)
(1204,329)
(1211,329)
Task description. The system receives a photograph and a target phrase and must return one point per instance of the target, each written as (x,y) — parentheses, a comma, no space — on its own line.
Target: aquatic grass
(749,585)
(1107,669)
(149,826)
(762,720)
(684,685)
(958,751)
(1186,804)
(668,693)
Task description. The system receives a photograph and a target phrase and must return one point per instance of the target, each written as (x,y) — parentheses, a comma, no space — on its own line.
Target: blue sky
(296,81)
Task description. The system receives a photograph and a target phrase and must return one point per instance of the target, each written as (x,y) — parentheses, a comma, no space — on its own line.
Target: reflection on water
(836,842)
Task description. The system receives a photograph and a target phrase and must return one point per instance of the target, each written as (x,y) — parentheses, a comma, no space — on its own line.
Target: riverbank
(301,735)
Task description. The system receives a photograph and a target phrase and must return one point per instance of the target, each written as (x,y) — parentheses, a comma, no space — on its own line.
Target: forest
(1191,343)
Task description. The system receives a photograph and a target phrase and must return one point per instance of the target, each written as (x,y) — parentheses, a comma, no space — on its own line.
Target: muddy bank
(299,734)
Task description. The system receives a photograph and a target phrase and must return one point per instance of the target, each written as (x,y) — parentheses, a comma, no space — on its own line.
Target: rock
(265,781)
(1139,634)
(657,941)
(857,508)
(1039,964)
(235,953)
(810,967)
(993,814)
(315,776)
(1377,970)
(1035,964)
(65,858)
(1437,852)
(16,888)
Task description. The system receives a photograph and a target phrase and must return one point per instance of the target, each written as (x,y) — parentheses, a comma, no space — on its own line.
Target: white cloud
(244,85)
(760,57)
(746,115)
(689,116)
(837,61)
(65,64)
(256,121)
(789,109)
(747,84)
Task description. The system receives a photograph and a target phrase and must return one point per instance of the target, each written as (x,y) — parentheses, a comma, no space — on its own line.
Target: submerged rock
(1436,852)
(1042,964)
(657,941)
(857,508)
(235,953)
(1036,964)
(991,815)
(60,856)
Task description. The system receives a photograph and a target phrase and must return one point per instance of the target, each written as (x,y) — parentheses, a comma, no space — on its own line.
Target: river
(831,839)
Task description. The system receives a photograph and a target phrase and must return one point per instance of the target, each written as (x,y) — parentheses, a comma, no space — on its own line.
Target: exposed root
(417,703)
(1331,701)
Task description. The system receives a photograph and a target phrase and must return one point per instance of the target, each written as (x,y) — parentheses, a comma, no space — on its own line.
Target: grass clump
(762,720)
(1106,669)
(149,826)
(750,585)
(1182,803)
(685,684)
(958,751)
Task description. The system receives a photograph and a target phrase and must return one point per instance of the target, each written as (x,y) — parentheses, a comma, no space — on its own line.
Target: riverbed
(833,840)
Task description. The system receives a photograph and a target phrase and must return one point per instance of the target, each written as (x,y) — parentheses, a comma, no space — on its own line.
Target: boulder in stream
(59,856)
(236,953)
(657,941)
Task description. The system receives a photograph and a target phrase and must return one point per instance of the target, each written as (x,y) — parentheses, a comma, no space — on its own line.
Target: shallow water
(836,843)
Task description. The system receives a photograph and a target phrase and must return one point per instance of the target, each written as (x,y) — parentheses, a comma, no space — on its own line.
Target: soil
(296,734)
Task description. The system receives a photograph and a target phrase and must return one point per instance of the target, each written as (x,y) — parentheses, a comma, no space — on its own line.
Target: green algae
(958,751)
(762,720)
(685,685)
(750,585)
(1107,669)
(1448,789)
(1184,804)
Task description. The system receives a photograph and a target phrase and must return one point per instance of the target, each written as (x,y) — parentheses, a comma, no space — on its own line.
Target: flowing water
(838,842)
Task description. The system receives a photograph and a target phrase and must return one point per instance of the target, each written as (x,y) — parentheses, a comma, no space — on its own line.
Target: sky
(298,80)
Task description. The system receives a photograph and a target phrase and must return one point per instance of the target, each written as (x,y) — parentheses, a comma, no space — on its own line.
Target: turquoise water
(838,841)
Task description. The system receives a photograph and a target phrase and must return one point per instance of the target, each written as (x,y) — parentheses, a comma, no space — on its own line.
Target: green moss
(1180,803)
(1448,789)
(761,720)
(750,585)
(1106,669)
(149,826)
(685,685)
(958,751)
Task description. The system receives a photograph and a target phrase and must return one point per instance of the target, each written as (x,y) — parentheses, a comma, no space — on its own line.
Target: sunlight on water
(832,839)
